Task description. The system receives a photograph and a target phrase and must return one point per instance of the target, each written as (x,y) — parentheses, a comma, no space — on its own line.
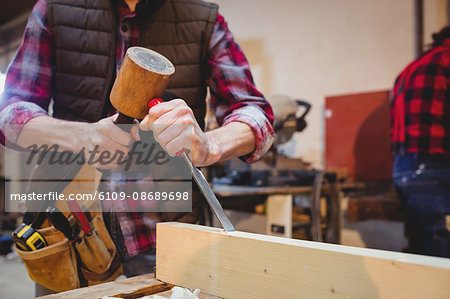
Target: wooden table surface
(134,287)
(235,190)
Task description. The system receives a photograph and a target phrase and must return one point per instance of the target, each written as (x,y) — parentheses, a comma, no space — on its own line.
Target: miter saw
(289,117)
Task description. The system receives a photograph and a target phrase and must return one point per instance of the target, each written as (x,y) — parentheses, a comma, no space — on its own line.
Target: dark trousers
(422,183)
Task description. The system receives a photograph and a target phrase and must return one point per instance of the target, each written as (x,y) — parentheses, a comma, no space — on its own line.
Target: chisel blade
(208,193)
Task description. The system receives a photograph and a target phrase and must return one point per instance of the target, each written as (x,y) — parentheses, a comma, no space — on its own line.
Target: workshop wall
(312,49)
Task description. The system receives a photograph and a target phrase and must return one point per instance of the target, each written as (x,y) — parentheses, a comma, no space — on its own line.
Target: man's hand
(105,137)
(102,137)
(175,128)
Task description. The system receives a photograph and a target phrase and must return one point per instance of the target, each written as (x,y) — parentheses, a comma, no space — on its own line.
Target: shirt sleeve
(234,96)
(27,90)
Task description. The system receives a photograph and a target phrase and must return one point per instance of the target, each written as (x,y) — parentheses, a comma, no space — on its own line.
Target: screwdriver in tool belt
(202,183)
(80,217)
(61,223)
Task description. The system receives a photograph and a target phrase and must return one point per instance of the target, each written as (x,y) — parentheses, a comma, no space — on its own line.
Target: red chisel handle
(152,104)
(80,216)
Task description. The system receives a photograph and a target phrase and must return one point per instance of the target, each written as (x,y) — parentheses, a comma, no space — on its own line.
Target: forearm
(91,139)
(232,140)
(48,130)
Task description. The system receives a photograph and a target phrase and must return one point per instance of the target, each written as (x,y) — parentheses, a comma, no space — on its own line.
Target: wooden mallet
(144,75)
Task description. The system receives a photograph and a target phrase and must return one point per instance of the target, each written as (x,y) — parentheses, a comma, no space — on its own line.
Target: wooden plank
(233,190)
(134,287)
(244,265)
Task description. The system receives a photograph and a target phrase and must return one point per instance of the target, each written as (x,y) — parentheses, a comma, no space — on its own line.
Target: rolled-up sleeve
(234,96)
(27,90)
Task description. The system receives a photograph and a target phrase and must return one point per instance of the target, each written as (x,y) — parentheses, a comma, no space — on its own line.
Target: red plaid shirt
(234,97)
(420,107)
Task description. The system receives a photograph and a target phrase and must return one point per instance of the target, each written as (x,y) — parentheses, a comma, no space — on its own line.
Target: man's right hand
(100,138)
(107,139)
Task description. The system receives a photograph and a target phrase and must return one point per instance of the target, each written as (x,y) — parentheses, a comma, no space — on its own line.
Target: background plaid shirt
(420,107)
(234,97)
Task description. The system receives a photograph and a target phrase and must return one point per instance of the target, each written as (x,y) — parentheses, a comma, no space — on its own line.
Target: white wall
(435,17)
(312,49)
(2,82)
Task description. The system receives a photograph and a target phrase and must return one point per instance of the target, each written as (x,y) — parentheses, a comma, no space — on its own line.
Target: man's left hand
(175,128)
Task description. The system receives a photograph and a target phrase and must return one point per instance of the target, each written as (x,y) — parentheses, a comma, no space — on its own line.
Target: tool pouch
(54,266)
(62,266)
(99,258)
(58,268)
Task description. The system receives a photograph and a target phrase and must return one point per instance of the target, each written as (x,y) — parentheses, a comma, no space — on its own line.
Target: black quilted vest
(85,39)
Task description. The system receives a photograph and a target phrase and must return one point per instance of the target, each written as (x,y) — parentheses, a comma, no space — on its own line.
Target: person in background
(70,53)
(420,119)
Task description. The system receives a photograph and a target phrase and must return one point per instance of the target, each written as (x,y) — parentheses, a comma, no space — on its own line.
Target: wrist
(76,144)
(215,153)
(78,140)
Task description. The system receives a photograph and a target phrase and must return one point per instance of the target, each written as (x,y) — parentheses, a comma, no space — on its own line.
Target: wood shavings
(177,293)
(183,293)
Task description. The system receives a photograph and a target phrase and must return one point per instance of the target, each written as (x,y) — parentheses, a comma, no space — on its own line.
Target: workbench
(134,287)
(325,225)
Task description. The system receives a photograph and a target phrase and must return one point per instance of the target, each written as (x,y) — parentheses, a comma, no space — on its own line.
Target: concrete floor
(376,234)
(14,280)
